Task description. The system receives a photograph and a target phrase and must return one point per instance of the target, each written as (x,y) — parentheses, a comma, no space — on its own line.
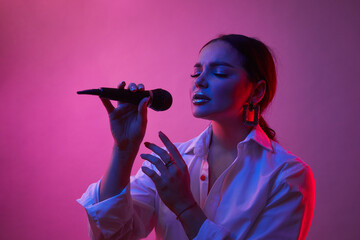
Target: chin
(217,116)
(205,115)
(200,114)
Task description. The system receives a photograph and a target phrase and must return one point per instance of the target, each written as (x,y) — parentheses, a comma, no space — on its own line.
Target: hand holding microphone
(127,121)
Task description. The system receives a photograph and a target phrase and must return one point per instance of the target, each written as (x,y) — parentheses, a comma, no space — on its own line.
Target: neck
(226,135)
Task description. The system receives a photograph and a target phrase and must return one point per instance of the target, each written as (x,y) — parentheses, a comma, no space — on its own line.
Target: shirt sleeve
(212,231)
(128,215)
(289,211)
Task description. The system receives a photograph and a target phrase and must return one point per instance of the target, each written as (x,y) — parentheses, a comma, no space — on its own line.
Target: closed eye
(195,75)
(221,75)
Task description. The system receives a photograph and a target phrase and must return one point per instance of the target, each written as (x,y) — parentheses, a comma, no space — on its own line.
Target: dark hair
(259,64)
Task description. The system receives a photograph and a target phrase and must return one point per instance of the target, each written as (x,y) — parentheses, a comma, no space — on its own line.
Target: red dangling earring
(254,111)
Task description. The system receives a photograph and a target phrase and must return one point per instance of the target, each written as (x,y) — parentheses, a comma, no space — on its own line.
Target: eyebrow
(215,64)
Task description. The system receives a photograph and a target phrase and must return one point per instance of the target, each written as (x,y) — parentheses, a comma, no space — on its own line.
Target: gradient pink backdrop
(54,143)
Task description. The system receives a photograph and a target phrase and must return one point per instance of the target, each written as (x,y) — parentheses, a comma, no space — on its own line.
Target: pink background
(54,143)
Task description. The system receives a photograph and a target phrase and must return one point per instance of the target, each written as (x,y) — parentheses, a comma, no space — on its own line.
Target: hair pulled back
(258,63)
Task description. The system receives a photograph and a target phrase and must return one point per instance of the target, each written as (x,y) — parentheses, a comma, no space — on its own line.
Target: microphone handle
(124,95)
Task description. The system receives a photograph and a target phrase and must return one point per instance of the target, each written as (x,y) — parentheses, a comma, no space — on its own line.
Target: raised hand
(173,185)
(127,121)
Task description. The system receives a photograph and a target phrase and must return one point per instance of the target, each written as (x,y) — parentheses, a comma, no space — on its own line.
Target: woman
(233,181)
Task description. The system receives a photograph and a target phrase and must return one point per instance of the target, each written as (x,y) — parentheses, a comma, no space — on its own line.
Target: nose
(201,81)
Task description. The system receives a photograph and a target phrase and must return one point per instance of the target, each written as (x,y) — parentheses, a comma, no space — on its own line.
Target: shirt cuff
(108,215)
(212,231)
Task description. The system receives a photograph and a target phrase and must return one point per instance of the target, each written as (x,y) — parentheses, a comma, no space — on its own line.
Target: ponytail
(269,131)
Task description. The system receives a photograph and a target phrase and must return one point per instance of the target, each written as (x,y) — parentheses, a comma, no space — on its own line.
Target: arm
(106,201)
(118,173)
(128,125)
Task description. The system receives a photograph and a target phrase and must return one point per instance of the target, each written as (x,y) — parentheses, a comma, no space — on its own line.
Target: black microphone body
(160,100)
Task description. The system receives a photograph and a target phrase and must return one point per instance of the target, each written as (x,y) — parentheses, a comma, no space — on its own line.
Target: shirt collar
(258,135)
(200,144)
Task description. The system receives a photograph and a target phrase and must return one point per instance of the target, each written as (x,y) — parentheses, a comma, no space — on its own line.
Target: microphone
(160,99)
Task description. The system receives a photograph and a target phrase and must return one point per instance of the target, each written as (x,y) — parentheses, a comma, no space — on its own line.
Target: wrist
(128,149)
(124,157)
(185,209)
(192,219)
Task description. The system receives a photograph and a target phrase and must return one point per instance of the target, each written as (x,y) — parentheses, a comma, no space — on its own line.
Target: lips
(200,96)
(200,99)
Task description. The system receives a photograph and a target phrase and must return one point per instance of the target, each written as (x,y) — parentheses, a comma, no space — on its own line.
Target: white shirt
(266,193)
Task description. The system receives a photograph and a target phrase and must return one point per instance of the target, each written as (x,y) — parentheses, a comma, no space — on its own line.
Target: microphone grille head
(161,100)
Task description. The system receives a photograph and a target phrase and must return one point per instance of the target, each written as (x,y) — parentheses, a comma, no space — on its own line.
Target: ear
(258,91)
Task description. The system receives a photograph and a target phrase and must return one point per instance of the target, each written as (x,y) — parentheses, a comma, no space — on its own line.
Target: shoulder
(286,158)
(292,170)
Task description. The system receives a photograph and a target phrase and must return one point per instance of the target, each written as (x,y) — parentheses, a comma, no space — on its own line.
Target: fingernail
(132,88)
(161,133)
(146,144)
(121,84)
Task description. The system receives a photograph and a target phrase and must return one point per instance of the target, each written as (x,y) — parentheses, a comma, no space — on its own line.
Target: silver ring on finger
(170,163)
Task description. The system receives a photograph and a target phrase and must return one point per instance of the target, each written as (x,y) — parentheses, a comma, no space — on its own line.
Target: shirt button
(202,177)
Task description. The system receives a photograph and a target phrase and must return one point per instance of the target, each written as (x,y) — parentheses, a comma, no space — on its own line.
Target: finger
(108,105)
(163,154)
(155,161)
(125,108)
(122,85)
(132,87)
(141,87)
(142,109)
(154,177)
(172,149)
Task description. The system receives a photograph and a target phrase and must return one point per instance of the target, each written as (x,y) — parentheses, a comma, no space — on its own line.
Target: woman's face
(220,87)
